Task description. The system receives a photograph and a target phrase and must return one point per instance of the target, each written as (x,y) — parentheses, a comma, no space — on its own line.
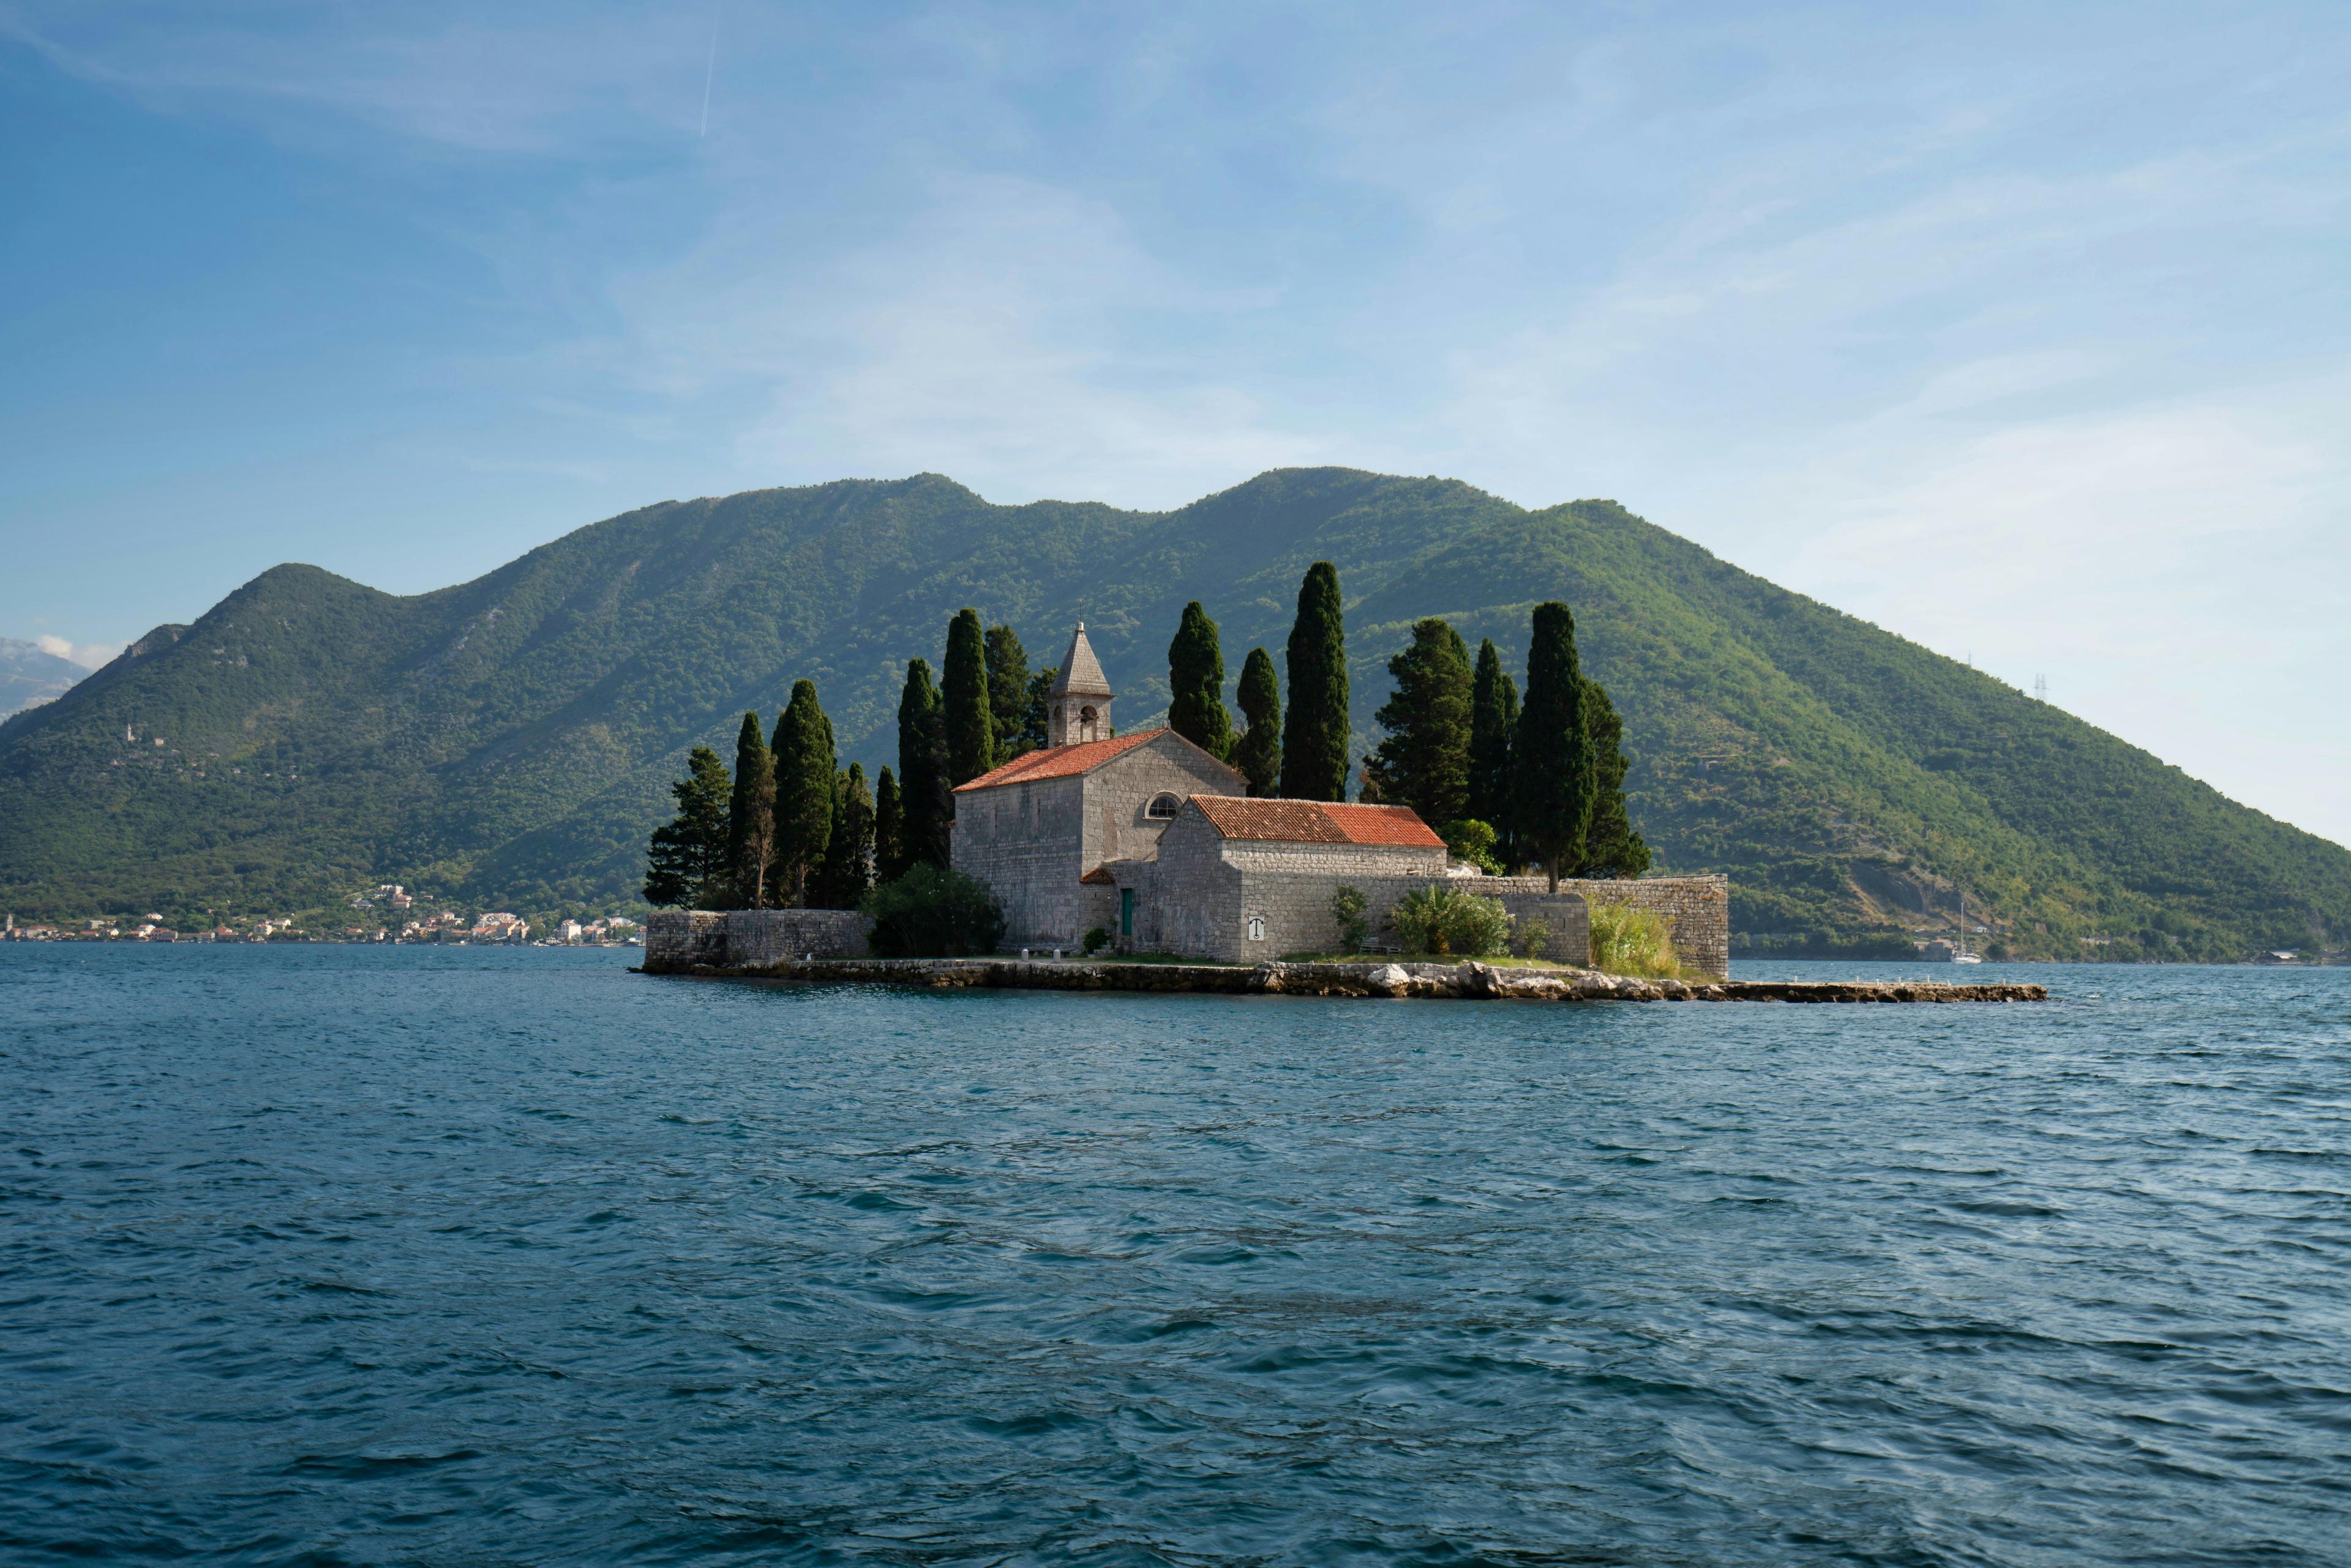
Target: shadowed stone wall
(679,939)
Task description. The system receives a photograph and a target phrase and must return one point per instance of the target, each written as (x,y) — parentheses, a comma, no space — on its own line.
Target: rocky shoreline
(1466,981)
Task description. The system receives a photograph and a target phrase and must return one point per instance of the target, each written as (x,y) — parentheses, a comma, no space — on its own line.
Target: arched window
(1163,807)
(1256,927)
(1086,723)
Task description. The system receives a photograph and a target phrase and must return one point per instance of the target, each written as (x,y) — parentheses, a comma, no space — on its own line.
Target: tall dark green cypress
(1554,771)
(1315,740)
(1612,847)
(686,862)
(970,716)
(848,868)
(1007,693)
(1493,716)
(805,773)
(1196,685)
(751,816)
(889,829)
(927,801)
(1423,763)
(1257,753)
(1036,727)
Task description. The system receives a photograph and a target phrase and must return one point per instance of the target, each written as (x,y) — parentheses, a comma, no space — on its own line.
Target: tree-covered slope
(509,738)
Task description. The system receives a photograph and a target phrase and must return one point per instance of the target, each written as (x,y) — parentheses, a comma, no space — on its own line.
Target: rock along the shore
(1464,981)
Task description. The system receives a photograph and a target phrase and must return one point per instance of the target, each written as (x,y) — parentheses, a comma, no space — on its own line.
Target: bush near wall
(933,914)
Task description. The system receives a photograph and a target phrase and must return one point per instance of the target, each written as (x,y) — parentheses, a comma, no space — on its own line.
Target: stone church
(1150,838)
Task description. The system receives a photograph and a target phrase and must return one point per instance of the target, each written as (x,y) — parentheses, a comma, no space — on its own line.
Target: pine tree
(1554,770)
(1257,753)
(687,863)
(1493,716)
(889,829)
(926,801)
(970,716)
(848,870)
(751,817)
(804,780)
(1196,685)
(1423,763)
(1008,693)
(1315,740)
(1610,846)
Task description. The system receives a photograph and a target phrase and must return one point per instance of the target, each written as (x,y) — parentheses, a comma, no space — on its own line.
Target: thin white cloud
(89,655)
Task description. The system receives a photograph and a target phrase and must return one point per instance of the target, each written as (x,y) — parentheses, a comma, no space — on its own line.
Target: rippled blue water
(341,1255)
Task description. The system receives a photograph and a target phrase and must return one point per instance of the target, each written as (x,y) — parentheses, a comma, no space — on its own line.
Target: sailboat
(1960,954)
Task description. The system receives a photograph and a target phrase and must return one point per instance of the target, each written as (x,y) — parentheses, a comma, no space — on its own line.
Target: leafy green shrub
(1446,922)
(1531,939)
(1628,941)
(1096,938)
(933,914)
(1471,841)
(1347,907)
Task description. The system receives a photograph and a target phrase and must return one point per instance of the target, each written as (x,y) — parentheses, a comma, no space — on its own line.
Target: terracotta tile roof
(1099,877)
(1316,823)
(1399,825)
(1058,761)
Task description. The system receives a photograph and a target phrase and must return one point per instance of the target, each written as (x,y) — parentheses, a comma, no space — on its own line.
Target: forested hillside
(509,739)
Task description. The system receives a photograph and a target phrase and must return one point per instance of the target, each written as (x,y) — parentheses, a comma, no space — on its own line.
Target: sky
(2019,329)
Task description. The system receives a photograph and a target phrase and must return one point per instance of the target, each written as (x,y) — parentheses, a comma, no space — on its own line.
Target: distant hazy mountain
(510,737)
(28,675)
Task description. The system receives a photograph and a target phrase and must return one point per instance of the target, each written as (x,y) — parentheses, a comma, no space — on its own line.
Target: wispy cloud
(89,655)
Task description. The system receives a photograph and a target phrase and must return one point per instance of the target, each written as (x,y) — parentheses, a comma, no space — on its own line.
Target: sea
(322,1255)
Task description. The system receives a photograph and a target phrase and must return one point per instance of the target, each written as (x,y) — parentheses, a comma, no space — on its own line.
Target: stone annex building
(1149,836)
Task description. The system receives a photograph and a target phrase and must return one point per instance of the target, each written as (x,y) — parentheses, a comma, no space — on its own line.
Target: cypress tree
(1493,716)
(1036,727)
(1423,763)
(804,784)
(889,829)
(848,870)
(1257,753)
(1008,693)
(927,804)
(1611,847)
(686,862)
(751,817)
(1196,685)
(1554,770)
(1315,740)
(970,716)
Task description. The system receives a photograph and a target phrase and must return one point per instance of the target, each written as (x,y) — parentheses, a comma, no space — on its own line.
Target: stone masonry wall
(679,939)
(1696,909)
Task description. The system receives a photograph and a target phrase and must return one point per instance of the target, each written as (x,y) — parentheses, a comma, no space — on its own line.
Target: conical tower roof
(1080,674)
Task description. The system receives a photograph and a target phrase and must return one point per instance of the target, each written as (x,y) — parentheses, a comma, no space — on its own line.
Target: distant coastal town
(445,926)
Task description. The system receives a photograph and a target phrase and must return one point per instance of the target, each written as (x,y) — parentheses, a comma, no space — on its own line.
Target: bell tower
(1076,708)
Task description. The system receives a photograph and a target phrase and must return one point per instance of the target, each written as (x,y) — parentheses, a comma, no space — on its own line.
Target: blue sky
(2019,329)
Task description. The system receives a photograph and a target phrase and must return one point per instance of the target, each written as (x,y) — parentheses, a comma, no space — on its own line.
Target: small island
(1191,857)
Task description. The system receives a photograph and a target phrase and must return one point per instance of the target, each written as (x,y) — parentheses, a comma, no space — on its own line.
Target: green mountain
(507,741)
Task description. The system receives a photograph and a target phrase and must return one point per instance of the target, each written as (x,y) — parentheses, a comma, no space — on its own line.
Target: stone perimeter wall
(1296,908)
(679,940)
(1696,909)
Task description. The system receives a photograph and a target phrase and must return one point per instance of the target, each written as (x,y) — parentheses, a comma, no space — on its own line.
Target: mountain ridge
(509,737)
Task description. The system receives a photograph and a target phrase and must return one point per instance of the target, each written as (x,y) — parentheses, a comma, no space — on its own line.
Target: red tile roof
(1060,761)
(1099,877)
(1399,825)
(1316,823)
